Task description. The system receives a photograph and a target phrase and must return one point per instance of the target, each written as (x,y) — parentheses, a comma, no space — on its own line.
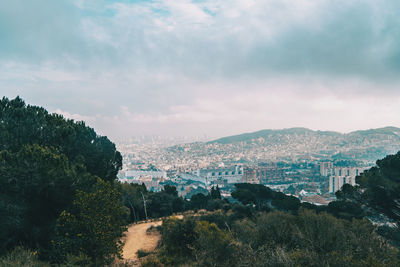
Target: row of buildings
(270,174)
(338,176)
(257,174)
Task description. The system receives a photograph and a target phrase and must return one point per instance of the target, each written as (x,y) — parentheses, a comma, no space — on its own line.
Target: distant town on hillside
(311,165)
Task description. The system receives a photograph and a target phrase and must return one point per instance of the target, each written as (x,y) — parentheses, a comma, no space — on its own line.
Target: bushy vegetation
(20,256)
(273,239)
(378,190)
(57,190)
(166,202)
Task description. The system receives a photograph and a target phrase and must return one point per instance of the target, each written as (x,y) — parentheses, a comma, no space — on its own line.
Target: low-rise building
(263,174)
(217,176)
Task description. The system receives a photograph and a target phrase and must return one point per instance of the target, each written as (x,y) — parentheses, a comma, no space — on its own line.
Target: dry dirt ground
(136,239)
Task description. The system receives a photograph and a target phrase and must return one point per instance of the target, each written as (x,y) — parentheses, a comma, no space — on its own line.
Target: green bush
(151,262)
(142,253)
(21,257)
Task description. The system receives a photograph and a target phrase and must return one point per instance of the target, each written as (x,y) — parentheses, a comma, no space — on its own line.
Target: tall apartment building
(326,168)
(345,175)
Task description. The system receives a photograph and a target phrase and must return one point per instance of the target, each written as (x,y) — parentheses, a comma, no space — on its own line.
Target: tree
(170,190)
(177,239)
(22,124)
(36,184)
(264,198)
(94,225)
(132,199)
(198,201)
(378,190)
(44,159)
(213,246)
(215,193)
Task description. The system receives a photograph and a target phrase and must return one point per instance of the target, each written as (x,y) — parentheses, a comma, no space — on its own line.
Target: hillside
(268,133)
(294,144)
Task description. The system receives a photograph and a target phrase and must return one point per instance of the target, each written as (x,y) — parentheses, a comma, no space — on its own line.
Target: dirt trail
(137,238)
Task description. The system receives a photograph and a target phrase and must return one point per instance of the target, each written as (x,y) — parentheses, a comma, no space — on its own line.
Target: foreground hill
(295,143)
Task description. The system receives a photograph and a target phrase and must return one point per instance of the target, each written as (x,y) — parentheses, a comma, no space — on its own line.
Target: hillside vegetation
(57,192)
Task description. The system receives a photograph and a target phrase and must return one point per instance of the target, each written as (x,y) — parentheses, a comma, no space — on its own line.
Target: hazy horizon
(205,138)
(205,68)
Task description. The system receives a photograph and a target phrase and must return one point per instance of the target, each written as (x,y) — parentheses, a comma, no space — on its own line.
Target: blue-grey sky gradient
(215,67)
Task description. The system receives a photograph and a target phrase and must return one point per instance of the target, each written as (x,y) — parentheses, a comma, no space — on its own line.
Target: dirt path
(137,238)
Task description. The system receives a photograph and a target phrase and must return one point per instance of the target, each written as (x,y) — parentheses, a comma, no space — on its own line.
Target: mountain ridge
(290,145)
(301,130)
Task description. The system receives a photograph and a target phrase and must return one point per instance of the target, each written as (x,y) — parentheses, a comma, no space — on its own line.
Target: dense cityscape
(311,165)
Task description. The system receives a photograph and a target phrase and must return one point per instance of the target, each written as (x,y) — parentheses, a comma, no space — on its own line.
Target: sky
(206,67)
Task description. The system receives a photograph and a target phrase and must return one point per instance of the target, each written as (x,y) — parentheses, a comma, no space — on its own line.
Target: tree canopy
(48,165)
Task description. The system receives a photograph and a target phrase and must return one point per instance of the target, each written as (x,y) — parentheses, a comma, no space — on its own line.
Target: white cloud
(182,66)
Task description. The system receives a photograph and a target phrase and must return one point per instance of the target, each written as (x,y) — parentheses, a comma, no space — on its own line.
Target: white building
(216,176)
(136,174)
(343,175)
(326,168)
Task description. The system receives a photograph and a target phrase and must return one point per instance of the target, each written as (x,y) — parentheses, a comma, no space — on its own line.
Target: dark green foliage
(345,210)
(178,237)
(241,212)
(132,199)
(274,239)
(20,256)
(94,225)
(198,201)
(151,261)
(213,247)
(348,192)
(142,253)
(381,187)
(378,190)
(215,193)
(170,190)
(36,185)
(390,233)
(44,160)
(263,198)
(219,218)
(191,240)
(286,203)
(26,125)
(159,204)
(214,204)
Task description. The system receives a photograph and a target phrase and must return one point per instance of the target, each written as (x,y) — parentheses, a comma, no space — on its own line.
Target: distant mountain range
(268,133)
(295,144)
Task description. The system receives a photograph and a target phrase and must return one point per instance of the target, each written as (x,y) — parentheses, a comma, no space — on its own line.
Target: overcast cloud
(215,67)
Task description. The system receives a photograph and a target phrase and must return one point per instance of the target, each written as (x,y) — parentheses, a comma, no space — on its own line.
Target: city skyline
(190,68)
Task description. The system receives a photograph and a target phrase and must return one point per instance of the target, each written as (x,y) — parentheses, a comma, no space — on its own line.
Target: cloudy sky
(214,67)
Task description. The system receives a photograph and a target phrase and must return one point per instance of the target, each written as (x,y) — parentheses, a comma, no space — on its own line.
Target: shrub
(20,256)
(143,253)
